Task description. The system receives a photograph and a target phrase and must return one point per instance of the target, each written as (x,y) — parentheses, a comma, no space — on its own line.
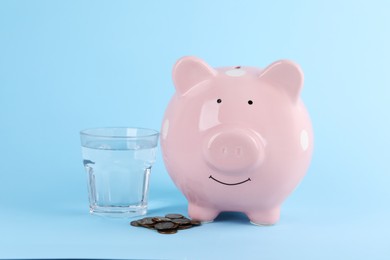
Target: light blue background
(69,65)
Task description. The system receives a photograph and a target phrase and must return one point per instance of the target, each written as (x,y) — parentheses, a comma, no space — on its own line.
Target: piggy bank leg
(200,213)
(264,217)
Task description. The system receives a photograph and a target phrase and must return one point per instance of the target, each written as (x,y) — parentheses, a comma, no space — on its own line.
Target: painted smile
(230,184)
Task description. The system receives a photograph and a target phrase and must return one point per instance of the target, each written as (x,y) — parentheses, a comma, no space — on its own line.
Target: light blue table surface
(70,65)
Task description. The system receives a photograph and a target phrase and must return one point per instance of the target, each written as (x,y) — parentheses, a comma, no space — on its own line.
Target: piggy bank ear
(286,75)
(190,71)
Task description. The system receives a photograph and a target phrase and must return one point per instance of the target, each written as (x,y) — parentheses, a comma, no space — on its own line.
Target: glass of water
(118,161)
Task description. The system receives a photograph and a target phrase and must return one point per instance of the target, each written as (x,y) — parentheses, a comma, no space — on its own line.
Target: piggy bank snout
(233,151)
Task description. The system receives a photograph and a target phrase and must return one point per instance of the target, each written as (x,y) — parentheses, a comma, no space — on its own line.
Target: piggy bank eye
(219,100)
(250,102)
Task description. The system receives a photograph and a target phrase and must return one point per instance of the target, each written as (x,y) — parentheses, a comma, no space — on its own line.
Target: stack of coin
(169,224)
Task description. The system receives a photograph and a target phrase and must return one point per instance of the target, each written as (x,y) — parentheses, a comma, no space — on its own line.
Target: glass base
(120,212)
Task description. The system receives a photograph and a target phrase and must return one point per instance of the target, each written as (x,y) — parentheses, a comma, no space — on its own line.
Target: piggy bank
(236,138)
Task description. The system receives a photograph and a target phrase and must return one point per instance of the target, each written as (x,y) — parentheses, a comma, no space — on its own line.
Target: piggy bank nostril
(236,150)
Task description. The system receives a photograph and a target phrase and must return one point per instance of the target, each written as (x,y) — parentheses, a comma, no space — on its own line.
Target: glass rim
(153,132)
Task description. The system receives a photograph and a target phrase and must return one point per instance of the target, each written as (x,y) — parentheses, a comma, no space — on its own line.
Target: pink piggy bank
(236,138)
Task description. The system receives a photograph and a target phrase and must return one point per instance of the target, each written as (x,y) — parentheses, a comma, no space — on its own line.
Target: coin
(181,221)
(167,231)
(161,219)
(135,223)
(146,221)
(195,222)
(148,226)
(165,225)
(181,227)
(174,216)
